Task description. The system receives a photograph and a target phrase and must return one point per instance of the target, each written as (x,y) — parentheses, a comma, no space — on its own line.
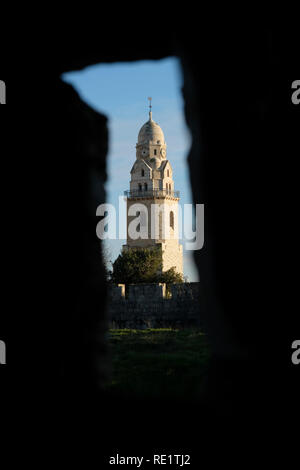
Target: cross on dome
(150,107)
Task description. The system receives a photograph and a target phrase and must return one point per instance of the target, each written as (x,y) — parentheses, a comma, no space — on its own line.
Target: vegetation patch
(158,363)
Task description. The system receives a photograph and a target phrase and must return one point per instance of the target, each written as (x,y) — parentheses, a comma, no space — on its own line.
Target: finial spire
(150,107)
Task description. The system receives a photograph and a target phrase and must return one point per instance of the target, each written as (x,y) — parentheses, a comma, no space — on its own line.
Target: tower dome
(151,132)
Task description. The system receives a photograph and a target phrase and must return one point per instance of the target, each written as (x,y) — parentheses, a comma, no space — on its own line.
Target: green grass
(157,362)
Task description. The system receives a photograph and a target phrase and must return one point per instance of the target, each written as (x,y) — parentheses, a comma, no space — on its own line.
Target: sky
(121,91)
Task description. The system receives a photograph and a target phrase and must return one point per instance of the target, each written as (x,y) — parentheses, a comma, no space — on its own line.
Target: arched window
(145,186)
(143,172)
(140,187)
(154,151)
(172,220)
(168,172)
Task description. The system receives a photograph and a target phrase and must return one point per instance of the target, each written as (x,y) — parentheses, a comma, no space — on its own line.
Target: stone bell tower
(152,202)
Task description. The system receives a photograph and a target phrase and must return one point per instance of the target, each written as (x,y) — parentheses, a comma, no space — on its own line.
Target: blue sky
(120,91)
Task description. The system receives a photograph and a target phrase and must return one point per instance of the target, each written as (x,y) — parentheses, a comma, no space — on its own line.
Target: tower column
(152,202)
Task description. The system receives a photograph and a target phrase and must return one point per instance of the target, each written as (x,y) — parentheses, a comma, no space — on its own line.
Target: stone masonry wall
(142,306)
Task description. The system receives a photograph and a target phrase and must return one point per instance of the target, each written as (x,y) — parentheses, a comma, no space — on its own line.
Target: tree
(142,266)
(171,276)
